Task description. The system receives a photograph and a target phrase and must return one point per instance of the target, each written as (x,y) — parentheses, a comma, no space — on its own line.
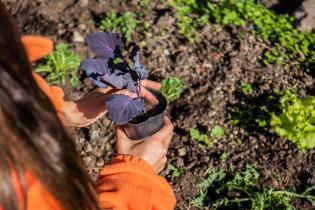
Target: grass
(59,65)
(124,24)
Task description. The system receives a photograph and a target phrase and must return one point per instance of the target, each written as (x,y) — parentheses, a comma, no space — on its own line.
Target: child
(39,167)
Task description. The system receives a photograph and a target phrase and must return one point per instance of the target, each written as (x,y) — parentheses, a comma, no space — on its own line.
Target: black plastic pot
(147,123)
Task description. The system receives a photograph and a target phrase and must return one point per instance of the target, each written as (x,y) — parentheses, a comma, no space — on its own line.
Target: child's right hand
(153,149)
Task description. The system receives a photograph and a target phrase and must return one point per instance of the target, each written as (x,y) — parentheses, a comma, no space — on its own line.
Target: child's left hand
(91,107)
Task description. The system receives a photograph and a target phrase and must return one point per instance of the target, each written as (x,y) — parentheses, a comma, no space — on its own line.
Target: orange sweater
(129,183)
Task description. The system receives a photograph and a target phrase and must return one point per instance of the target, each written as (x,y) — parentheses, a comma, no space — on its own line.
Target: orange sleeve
(55,94)
(129,183)
(36,48)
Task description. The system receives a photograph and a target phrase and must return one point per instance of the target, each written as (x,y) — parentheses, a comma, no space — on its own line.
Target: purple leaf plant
(109,67)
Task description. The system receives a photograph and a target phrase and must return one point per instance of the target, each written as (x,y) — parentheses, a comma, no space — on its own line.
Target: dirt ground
(214,68)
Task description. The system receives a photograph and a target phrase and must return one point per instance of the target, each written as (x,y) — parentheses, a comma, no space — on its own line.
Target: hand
(153,149)
(91,107)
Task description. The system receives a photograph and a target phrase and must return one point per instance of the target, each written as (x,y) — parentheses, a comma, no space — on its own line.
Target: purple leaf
(105,44)
(101,74)
(95,69)
(122,108)
(135,56)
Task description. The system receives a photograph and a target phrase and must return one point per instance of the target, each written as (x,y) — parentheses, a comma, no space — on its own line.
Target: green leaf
(217,131)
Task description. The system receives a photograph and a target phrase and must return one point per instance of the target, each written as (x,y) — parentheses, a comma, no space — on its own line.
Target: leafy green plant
(217,132)
(172,87)
(247,89)
(60,64)
(288,42)
(187,23)
(240,192)
(202,138)
(297,120)
(124,24)
(175,171)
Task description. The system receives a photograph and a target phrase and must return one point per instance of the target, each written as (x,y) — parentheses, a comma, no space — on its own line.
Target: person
(39,166)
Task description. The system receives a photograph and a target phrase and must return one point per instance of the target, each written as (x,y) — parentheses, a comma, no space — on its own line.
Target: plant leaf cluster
(289,43)
(217,190)
(296,121)
(171,88)
(110,67)
(60,64)
(124,24)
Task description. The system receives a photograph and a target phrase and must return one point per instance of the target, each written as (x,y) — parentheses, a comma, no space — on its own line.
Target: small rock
(77,37)
(180,162)
(100,162)
(88,148)
(182,152)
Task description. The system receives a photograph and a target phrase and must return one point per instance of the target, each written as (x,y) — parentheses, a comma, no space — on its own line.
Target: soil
(214,68)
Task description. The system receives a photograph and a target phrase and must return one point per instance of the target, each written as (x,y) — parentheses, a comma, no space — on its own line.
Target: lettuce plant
(297,120)
(109,67)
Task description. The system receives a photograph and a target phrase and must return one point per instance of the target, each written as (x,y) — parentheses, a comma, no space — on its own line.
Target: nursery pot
(147,123)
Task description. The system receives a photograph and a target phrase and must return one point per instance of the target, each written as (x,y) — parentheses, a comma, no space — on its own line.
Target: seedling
(172,87)
(247,89)
(202,138)
(125,24)
(60,64)
(175,171)
(110,67)
(217,132)
(297,120)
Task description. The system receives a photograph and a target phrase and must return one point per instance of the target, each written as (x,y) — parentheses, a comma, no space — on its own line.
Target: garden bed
(216,68)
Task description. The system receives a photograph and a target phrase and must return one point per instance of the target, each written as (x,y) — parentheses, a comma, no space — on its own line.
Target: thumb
(122,140)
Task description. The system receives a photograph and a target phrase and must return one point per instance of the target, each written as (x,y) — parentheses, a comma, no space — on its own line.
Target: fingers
(150,84)
(165,133)
(126,92)
(149,96)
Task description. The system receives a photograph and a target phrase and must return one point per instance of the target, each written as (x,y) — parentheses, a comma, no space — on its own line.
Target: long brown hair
(31,136)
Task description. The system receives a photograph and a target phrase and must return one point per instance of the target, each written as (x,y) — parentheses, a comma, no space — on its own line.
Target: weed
(60,64)
(124,24)
(202,138)
(240,192)
(175,171)
(296,121)
(172,87)
(217,132)
(223,156)
(247,89)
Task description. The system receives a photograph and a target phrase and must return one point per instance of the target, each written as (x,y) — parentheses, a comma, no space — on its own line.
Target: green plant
(217,132)
(297,120)
(187,23)
(288,42)
(240,192)
(247,89)
(175,171)
(124,24)
(202,138)
(223,156)
(60,64)
(172,87)
(212,176)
